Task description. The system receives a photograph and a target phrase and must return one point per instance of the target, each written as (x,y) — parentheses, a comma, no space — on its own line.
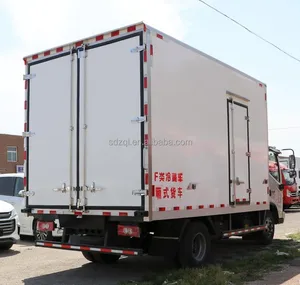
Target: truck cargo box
(133,122)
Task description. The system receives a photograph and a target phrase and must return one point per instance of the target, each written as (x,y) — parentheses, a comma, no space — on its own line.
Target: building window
(12,154)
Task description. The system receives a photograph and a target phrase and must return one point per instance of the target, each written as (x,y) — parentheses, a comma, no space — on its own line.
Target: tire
(266,236)
(263,237)
(41,236)
(97,257)
(6,246)
(195,245)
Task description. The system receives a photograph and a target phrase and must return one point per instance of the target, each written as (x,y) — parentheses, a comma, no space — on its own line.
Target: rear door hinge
(81,52)
(29,76)
(139,192)
(138,49)
(28,134)
(139,119)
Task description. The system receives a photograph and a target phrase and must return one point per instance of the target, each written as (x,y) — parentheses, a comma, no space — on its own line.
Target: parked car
(10,187)
(9,225)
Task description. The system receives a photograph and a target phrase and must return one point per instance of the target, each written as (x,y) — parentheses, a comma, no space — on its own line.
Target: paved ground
(26,264)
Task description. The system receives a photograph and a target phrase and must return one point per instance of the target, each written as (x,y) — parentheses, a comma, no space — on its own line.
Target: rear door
(111,144)
(239,152)
(50,148)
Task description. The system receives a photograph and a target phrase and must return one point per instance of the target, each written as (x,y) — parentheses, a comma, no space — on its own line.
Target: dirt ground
(290,274)
(26,264)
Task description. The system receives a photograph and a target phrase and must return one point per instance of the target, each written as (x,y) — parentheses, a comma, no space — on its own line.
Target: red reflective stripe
(264,202)
(40,211)
(146,178)
(127,252)
(146,139)
(189,207)
(145,55)
(153,191)
(257,203)
(36,56)
(25,181)
(260,85)
(66,246)
(78,44)
(25,155)
(176,208)
(145,82)
(201,206)
(84,248)
(105,250)
(123,214)
(211,206)
(244,199)
(162,209)
(25,127)
(48,244)
(115,33)
(237,200)
(159,36)
(151,49)
(131,29)
(46,53)
(60,49)
(146,109)
(145,28)
(26,84)
(222,205)
(52,212)
(99,38)
(25,61)
(106,213)
(78,213)
(25,102)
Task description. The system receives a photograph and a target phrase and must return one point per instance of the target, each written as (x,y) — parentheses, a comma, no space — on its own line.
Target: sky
(27,27)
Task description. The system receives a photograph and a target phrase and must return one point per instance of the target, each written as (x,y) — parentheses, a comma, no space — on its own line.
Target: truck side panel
(191,151)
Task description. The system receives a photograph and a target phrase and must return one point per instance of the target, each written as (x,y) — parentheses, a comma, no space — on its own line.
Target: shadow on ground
(7,253)
(138,267)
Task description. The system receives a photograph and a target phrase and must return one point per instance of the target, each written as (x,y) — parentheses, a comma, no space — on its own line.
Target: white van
(10,186)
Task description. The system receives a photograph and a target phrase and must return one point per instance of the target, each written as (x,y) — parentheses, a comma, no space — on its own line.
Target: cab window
(7,186)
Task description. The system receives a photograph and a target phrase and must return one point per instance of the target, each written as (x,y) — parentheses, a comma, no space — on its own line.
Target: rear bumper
(106,250)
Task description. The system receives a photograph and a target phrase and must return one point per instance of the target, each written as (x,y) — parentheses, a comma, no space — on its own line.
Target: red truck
(290,194)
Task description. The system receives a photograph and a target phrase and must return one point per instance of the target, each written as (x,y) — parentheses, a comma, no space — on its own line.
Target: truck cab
(290,195)
(283,186)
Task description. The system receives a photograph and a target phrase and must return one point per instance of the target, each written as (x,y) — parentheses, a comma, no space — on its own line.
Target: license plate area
(45,226)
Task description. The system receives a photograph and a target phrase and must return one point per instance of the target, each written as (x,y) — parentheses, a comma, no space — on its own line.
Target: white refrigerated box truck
(148,146)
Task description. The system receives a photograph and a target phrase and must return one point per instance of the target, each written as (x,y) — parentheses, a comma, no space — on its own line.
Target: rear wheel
(6,246)
(98,257)
(194,246)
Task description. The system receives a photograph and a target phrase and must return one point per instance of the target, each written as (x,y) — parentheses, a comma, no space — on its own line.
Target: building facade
(11,153)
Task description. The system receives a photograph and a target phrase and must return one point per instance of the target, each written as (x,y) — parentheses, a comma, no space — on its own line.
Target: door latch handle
(238,181)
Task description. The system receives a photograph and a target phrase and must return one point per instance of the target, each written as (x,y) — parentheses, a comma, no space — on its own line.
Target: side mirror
(292,162)
(21,193)
(281,187)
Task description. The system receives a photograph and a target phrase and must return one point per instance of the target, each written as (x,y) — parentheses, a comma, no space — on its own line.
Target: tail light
(132,231)
(45,226)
